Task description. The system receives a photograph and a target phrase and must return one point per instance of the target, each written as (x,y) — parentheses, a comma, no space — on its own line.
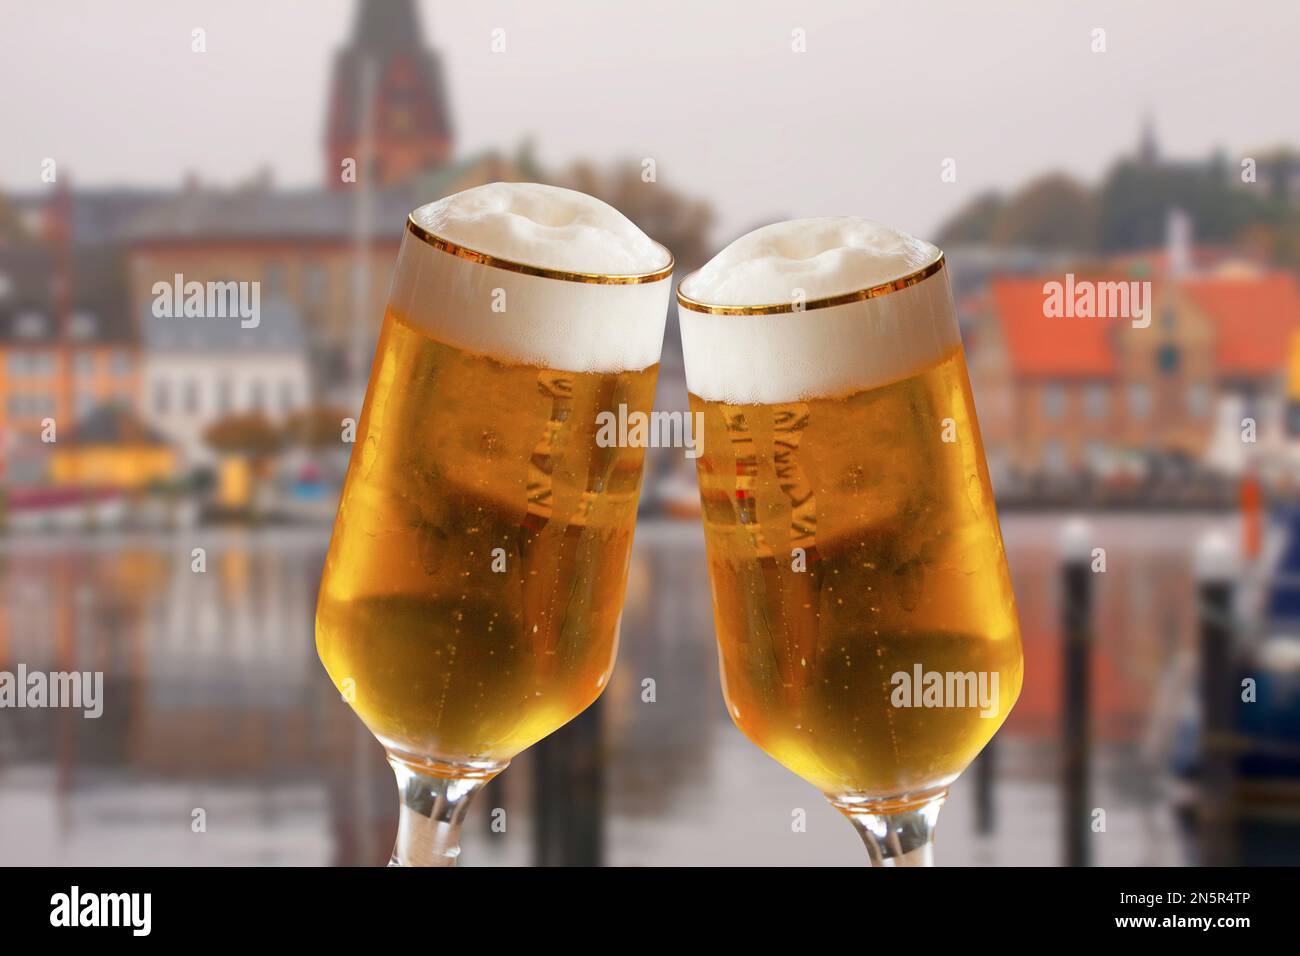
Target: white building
(197,371)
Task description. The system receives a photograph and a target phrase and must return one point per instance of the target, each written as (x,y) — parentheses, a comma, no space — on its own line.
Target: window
(1167,359)
(1053,402)
(257,396)
(1054,457)
(1198,400)
(191,397)
(223,396)
(1139,400)
(1098,456)
(22,363)
(1293,419)
(274,278)
(1097,401)
(82,325)
(316,282)
(287,396)
(162,397)
(1250,405)
(24,404)
(29,325)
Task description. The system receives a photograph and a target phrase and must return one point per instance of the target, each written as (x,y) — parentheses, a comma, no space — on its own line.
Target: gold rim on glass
(873,292)
(483,258)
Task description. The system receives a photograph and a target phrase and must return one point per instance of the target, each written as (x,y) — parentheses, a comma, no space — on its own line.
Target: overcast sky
(859,124)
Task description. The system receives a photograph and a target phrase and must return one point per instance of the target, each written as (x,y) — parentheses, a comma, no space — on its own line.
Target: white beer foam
(515,317)
(824,352)
(821,257)
(543,226)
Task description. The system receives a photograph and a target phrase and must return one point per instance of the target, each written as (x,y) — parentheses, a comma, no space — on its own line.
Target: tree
(249,435)
(315,428)
(671,218)
(12,230)
(975,222)
(1053,212)
(1135,200)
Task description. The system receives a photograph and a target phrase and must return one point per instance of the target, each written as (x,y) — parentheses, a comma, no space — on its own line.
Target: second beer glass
(865,620)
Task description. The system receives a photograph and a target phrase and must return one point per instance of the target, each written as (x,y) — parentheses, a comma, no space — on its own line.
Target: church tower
(409,121)
(1148,153)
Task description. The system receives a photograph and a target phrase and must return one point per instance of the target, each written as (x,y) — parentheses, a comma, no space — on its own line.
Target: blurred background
(149,139)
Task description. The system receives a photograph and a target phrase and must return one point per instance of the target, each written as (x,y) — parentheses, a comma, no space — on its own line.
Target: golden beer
(866,626)
(470,600)
(474,582)
(847,543)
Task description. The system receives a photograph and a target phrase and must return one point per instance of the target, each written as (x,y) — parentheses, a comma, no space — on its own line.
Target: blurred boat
(1270,726)
(63,508)
(1262,743)
(1266,726)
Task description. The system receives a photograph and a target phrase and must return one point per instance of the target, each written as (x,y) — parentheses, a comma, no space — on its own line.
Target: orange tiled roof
(1038,345)
(1255,317)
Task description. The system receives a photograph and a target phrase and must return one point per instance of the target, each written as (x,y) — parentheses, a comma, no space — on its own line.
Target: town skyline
(241,385)
(670,110)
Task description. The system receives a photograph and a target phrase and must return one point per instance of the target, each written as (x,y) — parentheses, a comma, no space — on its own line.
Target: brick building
(62,356)
(1061,396)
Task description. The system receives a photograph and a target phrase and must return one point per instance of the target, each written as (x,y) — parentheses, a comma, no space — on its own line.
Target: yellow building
(111,448)
(1293,369)
(61,359)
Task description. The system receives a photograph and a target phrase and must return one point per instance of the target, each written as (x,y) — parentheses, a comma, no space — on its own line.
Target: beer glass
(471,594)
(865,620)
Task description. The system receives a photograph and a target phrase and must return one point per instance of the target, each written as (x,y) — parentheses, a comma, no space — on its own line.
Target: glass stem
(434,804)
(897,835)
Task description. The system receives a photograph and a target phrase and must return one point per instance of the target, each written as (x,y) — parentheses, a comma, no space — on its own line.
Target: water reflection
(217,711)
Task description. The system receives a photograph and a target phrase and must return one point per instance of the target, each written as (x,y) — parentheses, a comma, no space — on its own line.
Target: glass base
(897,831)
(435,798)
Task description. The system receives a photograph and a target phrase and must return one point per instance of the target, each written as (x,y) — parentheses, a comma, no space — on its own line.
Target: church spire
(387,25)
(1148,151)
(410,120)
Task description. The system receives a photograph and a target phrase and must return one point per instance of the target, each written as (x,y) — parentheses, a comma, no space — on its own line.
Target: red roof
(1039,345)
(1255,317)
